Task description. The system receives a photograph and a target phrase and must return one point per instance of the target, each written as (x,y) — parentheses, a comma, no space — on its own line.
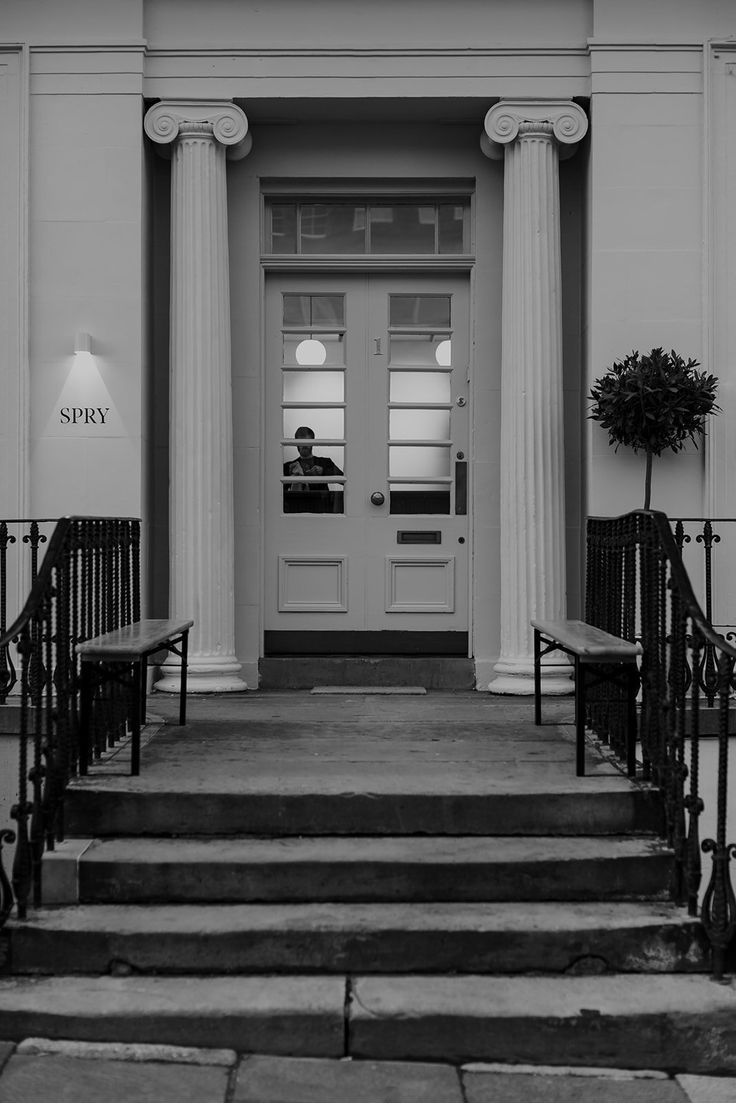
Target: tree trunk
(648,481)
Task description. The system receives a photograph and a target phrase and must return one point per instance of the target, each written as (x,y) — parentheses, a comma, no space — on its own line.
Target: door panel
(366,392)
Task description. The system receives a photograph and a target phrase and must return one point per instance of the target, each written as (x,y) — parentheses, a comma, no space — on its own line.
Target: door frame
(403,266)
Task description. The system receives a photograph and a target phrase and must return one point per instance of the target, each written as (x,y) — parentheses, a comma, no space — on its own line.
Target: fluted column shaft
(201,506)
(533,553)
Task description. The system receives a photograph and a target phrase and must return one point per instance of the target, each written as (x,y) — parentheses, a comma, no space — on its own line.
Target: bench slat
(589,643)
(133,640)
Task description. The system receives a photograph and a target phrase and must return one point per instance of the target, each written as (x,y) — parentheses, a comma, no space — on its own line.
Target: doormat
(388,690)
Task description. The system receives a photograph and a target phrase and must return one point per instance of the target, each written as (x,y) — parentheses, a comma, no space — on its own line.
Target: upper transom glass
(345,226)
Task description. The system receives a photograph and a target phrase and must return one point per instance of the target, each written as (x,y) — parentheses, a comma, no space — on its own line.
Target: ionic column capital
(169,120)
(507,120)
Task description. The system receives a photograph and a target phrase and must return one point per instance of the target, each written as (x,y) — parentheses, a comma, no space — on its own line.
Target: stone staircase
(475,903)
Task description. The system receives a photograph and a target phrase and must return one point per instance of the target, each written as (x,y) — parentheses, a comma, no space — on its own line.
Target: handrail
(638,587)
(88,583)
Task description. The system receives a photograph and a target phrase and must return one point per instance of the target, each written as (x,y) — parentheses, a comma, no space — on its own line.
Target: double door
(366,506)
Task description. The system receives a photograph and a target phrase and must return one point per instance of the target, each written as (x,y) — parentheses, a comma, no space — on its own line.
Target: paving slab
(57,1079)
(663,1022)
(290,1080)
(708,1089)
(285,1015)
(489,1087)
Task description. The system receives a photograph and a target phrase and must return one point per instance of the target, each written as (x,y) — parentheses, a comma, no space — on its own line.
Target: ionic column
(528,134)
(201,507)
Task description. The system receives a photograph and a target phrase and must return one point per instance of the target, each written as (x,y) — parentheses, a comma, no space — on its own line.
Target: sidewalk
(41,1071)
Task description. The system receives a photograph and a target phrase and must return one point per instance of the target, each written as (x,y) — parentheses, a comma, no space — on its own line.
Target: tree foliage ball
(653,402)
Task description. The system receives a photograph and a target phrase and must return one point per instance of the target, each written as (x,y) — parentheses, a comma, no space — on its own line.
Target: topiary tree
(652,403)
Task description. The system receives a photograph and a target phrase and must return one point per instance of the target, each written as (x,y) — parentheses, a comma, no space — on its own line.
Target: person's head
(304,433)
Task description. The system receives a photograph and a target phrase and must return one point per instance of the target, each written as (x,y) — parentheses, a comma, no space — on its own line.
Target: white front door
(366,457)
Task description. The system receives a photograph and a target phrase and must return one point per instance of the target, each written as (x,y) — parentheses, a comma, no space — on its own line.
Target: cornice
(134,47)
(372,51)
(437,264)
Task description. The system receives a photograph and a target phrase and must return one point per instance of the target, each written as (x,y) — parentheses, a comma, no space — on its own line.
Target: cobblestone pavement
(43,1071)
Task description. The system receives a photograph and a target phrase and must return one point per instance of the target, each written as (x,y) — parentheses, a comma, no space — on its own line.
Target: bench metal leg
(135,739)
(144,683)
(632,686)
(579,718)
(537,678)
(183,680)
(85,702)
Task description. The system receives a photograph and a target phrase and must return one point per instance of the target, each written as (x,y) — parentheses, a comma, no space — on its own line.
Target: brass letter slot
(409,537)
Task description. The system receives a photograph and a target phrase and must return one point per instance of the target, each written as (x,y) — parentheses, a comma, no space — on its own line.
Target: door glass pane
(314,350)
(426,460)
(323,461)
(419,310)
(419,424)
(417,386)
(424,350)
(419,498)
(402,228)
(314,310)
(314,386)
(326,423)
(332,228)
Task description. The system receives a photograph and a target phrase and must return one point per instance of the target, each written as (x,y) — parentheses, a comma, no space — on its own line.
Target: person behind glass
(310,497)
(309,465)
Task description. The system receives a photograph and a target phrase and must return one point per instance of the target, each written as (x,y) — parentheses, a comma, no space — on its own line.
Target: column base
(517,678)
(215,674)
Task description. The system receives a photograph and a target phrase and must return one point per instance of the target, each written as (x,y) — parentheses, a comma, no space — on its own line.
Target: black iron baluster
(693,802)
(7,668)
(718,912)
(6,889)
(708,672)
(21,810)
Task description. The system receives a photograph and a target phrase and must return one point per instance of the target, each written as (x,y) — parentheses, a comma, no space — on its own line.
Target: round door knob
(377,498)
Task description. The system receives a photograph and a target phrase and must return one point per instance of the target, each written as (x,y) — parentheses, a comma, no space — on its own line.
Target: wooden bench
(122,655)
(597,656)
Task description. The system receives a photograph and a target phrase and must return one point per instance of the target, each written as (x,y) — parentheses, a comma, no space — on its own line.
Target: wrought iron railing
(638,588)
(88,583)
(21,540)
(708,548)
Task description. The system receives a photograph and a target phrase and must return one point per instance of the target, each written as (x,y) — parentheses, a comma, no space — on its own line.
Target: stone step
(381,869)
(141,806)
(682,1022)
(575,938)
(445,672)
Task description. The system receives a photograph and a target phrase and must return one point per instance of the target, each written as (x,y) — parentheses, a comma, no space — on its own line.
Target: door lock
(461,400)
(377,498)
